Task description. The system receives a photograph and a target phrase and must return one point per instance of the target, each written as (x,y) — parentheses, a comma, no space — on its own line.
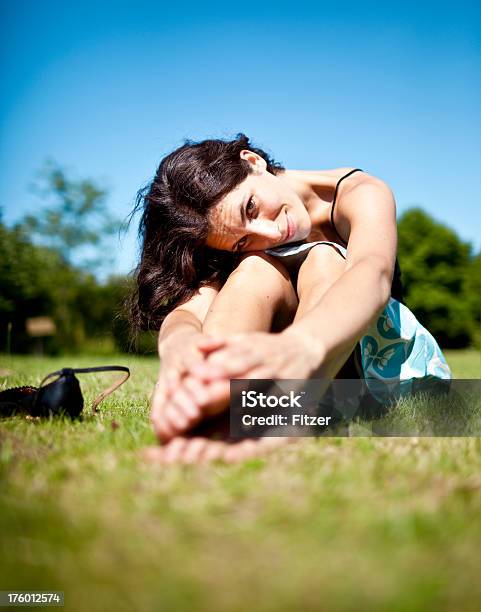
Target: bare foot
(201,450)
(210,441)
(181,407)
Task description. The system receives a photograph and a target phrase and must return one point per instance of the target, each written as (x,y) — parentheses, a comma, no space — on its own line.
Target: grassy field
(326,524)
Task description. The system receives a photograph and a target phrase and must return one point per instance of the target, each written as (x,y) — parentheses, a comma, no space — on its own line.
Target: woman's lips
(291,228)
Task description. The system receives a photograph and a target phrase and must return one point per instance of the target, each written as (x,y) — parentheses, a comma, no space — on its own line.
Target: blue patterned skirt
(398,354)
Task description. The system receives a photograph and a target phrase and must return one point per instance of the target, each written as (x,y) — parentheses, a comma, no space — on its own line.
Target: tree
(434,263)
(36,281)
(46,266)
(472,291)
(75,221)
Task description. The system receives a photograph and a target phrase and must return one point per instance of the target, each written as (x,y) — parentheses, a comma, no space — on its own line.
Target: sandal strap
(24,397)
(108,368)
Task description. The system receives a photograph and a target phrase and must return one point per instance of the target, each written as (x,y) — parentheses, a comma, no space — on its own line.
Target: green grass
(464,364)
(328,523)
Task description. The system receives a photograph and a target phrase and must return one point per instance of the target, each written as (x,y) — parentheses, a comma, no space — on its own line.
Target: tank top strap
(288,250)
(294,252)
(333,225)
(397,289)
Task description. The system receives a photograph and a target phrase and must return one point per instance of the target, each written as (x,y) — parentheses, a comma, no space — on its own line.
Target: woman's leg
(257,296)
(319,271)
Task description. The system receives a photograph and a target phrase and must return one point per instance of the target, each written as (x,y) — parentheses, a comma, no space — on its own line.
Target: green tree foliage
(37,272)
(88,314)
(74,221)
(472,292)
(439,275)
(36,281)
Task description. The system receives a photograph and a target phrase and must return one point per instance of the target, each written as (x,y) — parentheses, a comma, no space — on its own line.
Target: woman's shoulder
(323,179)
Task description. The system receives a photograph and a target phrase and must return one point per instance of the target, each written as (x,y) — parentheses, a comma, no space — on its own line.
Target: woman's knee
(321,268)
(261,263)
(263,272)
(264,278)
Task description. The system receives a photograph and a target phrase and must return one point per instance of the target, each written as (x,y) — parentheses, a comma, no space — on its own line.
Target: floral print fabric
(397,352)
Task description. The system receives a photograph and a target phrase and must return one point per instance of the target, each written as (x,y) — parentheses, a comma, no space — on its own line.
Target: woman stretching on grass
(229,275)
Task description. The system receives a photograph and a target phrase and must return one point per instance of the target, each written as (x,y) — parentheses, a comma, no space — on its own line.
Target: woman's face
(260,213)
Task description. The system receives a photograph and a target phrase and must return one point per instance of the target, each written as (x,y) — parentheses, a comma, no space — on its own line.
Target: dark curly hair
(175,261)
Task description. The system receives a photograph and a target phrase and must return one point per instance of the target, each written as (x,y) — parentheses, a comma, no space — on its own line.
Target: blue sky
(107,88)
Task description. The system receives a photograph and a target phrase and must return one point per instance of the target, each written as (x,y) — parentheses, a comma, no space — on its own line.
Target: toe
(152,454)
(174,449)
(213,451)
(193,450)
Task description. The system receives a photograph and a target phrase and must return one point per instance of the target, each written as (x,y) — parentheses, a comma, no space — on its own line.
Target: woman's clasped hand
(195,383)
(172,410)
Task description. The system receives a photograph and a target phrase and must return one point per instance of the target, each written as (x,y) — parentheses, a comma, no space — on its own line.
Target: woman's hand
(261,355)
(180,403)
(180,351)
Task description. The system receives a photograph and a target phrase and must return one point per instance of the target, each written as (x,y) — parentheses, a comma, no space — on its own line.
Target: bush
(37,281)
(440,278)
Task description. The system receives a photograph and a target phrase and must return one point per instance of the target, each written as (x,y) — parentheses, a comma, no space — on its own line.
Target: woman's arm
(178,340)
(187,318)
(366,213)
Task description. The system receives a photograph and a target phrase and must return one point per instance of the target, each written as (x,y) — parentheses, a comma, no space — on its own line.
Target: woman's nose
(266,228)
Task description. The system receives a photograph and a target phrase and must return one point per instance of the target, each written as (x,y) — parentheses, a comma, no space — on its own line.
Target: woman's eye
(242,242)
(250,206)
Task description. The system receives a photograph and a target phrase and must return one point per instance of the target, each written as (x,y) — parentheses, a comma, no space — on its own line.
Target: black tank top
(396,286)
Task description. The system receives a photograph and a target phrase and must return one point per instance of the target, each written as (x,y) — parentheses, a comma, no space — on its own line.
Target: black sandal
(61,396)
